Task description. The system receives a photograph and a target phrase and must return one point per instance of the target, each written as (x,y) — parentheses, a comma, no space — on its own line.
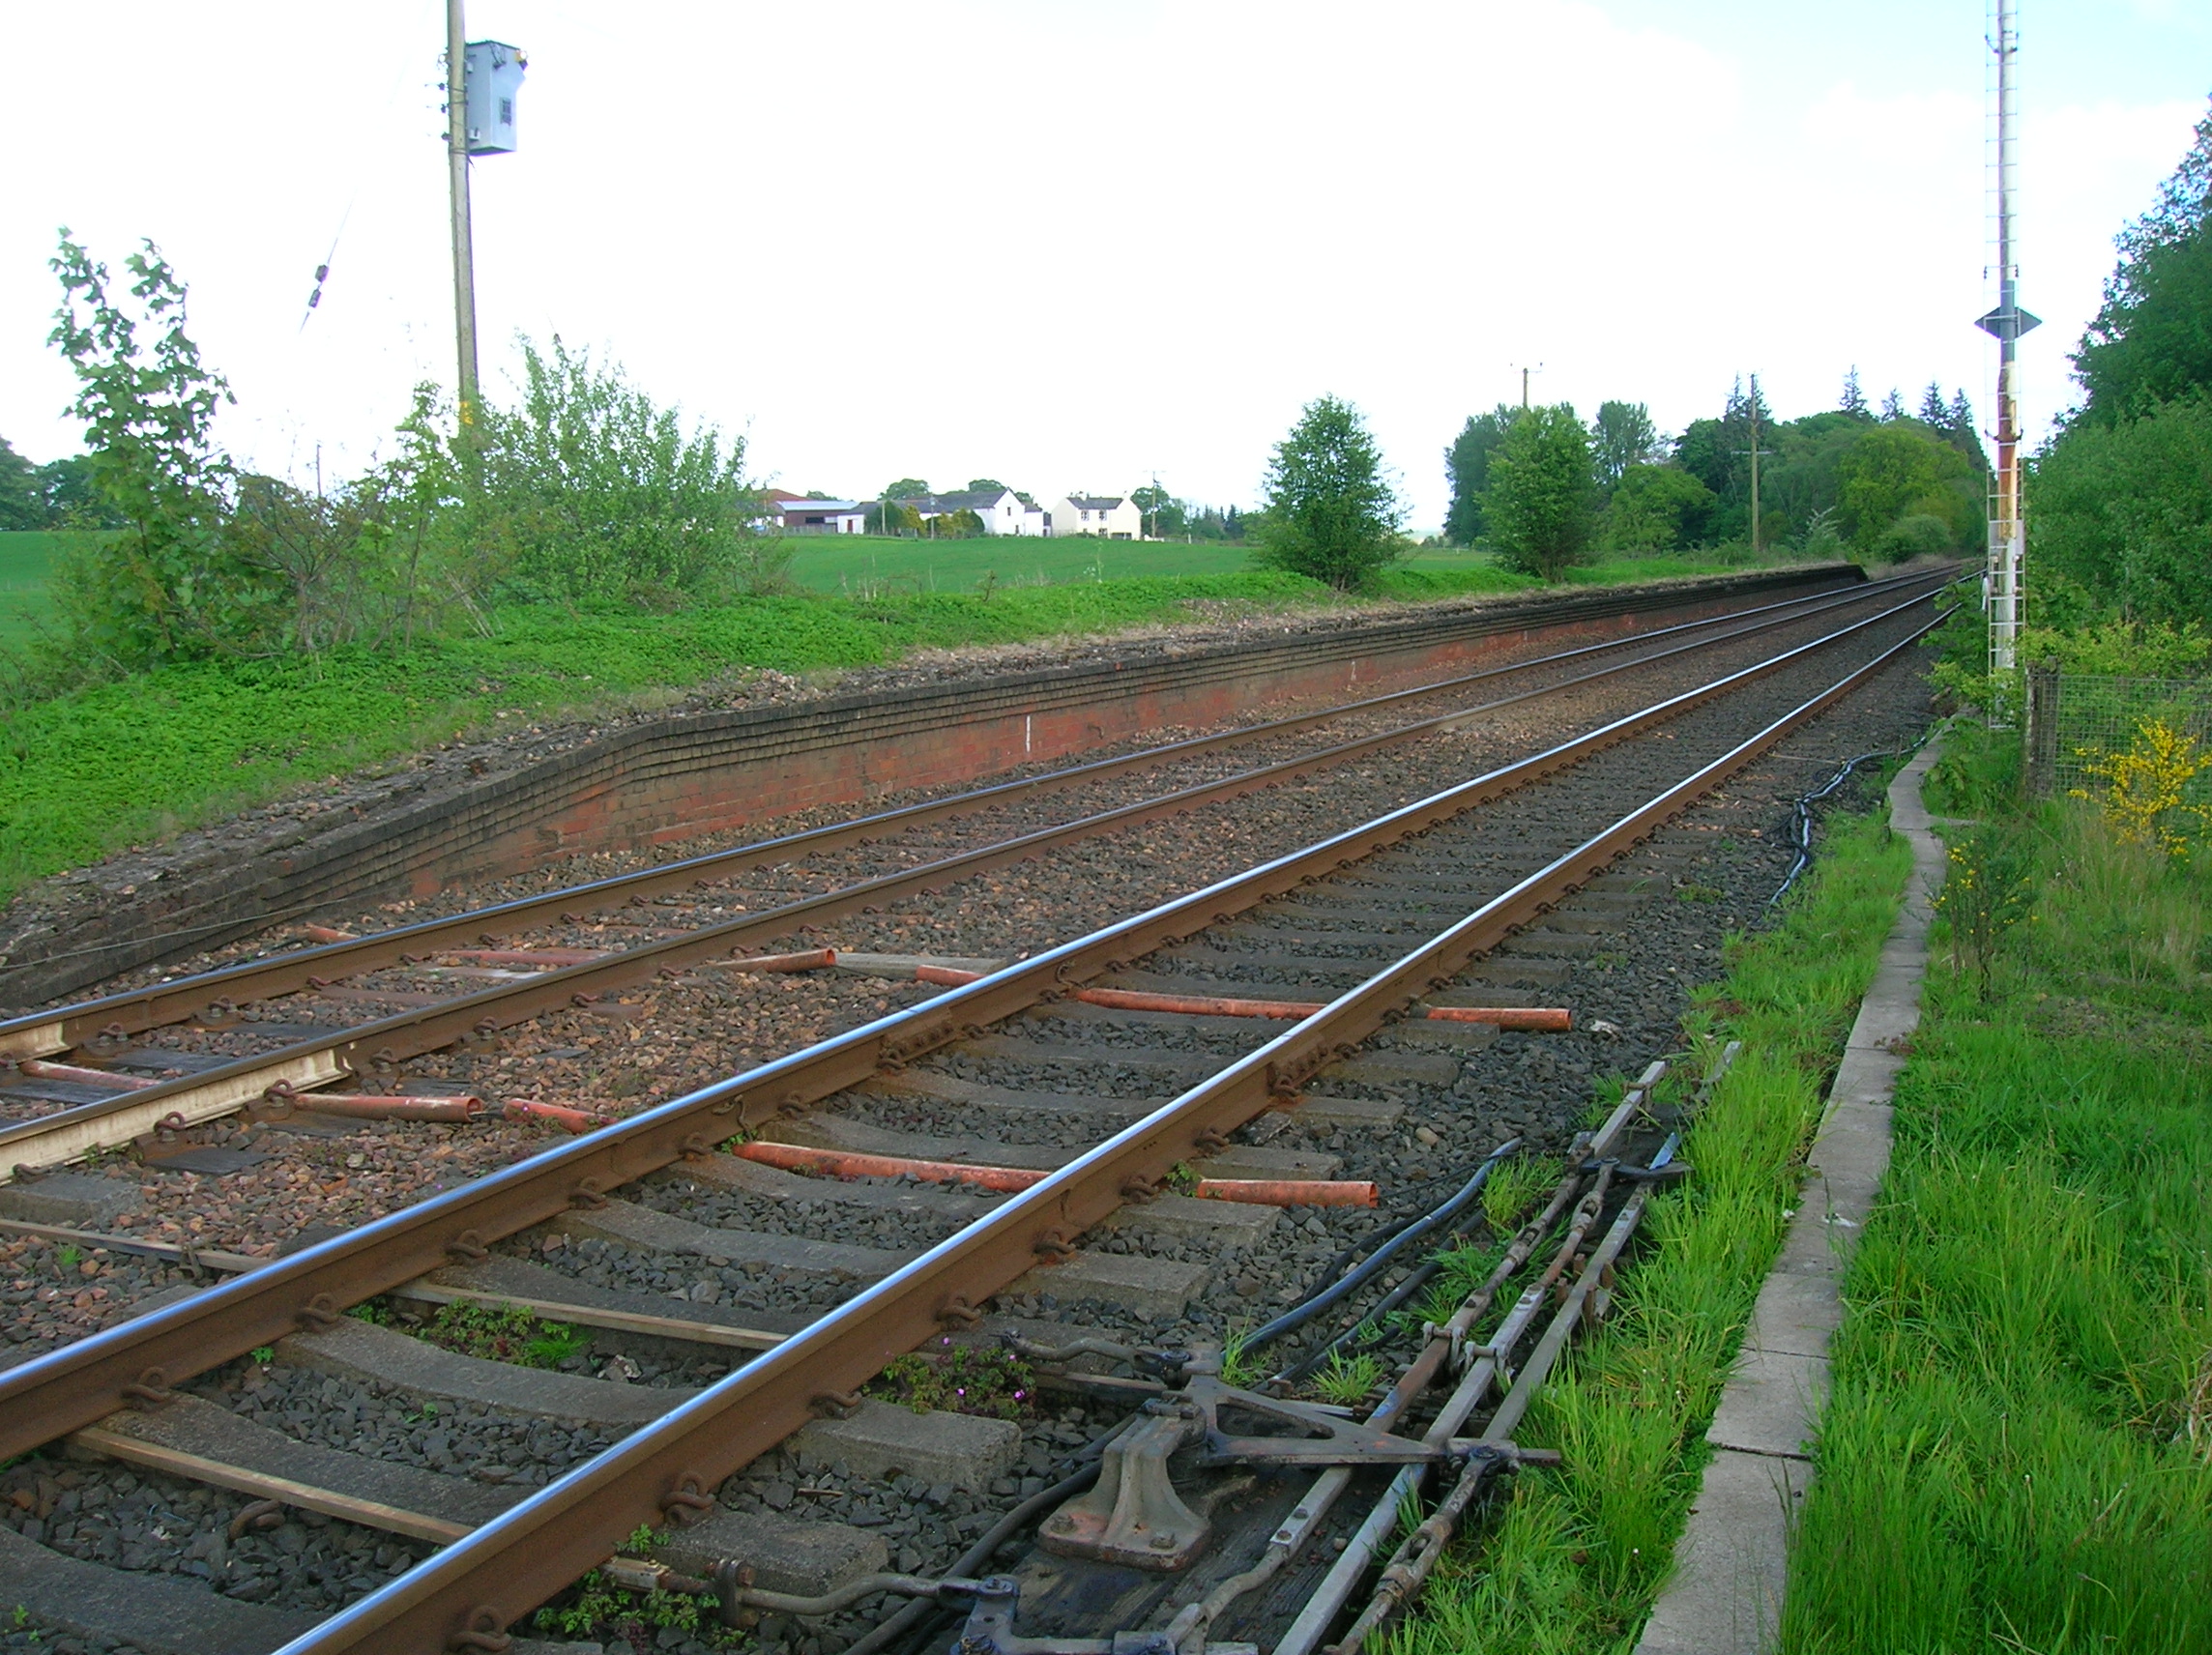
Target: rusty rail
(379,1046)
(468,1594)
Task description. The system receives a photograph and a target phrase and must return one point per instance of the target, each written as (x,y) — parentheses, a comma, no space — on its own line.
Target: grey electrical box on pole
(495,77)
(482,81)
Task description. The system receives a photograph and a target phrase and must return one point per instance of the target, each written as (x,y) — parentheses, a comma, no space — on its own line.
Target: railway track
(1045,1117)
(256,1037)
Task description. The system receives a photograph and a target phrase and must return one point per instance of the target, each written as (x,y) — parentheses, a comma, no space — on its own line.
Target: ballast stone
(884,1440)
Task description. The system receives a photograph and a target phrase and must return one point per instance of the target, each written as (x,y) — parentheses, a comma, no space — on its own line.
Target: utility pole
(2005,583)
(1525,372)
(1755,450)
(464,242)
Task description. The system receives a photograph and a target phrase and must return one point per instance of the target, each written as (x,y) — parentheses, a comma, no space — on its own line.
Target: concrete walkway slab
(1731,1563)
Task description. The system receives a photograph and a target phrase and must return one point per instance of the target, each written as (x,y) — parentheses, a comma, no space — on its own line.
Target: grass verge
(1572,1558)
(2017,1455)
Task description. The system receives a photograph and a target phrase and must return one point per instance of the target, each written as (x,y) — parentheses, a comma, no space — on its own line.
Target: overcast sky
(1070,243)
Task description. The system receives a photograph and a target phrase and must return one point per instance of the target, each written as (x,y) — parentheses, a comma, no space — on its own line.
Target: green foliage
(1985,894)
(1467,466)
(22,503)
(1330,512)
(1513,1190)
(1348,1381)
(597,1607)
(1892,471)
(1917,535)
(961,1378)
(264,1354)
(591,491)
(169,587)
(69,1256)
(2152,341)
(961,524)
(2124,509)
(2014,1452)
(1539,501)
(1621,436)
(1654,508)
(505,1333)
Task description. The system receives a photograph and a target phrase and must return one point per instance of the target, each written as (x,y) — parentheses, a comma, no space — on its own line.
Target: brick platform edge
(661,781)
(1731,1564)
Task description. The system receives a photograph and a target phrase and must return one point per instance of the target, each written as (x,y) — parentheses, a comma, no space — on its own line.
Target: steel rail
(50,1396)
(64,1135)
(469,1593)
(44,1032)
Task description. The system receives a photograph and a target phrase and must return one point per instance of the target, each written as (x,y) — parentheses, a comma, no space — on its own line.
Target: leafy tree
(593,492)
(2151,342)
(1621,436)
(977,484)
(170,585)
(1165,515)
(961,524)
(1330,512)
(72,500)
(2125,511)
(1897,471)
(1467,464)
(1965,435)
(22,502)
(1855,402)
(906,488)
(1717,453)
(889,517)
(1539,500)
(1654,508)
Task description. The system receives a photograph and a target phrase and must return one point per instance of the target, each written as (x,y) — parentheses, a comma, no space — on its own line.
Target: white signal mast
(2005,585)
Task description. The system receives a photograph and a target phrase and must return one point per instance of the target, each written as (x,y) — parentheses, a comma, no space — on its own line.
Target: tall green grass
(1573,1559)
(2019,1452)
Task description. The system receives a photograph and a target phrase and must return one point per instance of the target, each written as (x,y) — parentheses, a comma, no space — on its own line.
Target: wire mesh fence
(2098,720)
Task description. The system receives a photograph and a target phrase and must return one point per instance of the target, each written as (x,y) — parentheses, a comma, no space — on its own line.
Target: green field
(871,566)
(26,556)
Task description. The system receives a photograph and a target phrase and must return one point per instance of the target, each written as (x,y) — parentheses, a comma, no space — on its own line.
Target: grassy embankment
(2019,1452)
(1572,1558)
(869,566)
(118,763)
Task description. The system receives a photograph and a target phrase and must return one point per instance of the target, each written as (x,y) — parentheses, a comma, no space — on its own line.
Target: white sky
(1065,243)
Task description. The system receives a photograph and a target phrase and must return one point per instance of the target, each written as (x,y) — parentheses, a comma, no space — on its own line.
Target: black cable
(994,1537)
(1299,1315)
(1802,822)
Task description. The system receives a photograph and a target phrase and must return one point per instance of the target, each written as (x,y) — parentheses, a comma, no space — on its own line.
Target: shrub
(589,491)
(1918,536)
(1541,495)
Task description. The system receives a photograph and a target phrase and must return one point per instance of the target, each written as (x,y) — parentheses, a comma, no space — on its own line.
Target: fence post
(2039,775)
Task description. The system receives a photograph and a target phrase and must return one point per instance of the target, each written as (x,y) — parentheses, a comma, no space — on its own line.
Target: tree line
(1544,490)
(2119,501)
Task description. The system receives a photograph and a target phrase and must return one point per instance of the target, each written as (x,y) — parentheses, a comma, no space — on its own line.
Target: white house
(1000,511)
(1111,517)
